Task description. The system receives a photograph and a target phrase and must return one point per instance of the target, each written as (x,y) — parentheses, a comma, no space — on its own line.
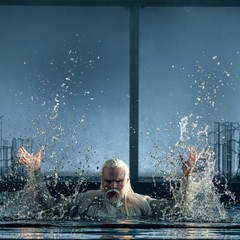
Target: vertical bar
(1,147)
(219,149)
(217,145)
(230,151)
(134,92)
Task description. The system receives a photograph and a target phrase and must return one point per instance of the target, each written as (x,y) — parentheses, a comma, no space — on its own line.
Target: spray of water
(202,205)
(202,202)
(20,205)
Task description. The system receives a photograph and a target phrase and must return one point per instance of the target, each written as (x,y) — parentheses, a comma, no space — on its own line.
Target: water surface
(122,229)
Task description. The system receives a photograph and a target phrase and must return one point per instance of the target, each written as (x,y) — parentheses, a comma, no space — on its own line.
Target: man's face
(114,183)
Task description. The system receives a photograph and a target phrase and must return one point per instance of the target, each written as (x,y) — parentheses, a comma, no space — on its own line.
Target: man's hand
(188,166)
(32,162)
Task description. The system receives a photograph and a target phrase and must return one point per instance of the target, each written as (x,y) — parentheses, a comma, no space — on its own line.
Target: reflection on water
(125,229)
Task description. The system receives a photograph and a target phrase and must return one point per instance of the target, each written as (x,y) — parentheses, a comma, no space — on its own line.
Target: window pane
(189,67)
(64,76)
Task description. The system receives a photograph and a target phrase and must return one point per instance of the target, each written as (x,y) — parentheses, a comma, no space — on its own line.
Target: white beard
(113,196)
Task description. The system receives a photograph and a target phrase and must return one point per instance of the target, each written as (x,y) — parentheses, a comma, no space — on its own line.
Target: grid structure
(9,161)
(227,148)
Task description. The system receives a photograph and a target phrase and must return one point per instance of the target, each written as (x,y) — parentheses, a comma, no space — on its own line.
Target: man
(115,198)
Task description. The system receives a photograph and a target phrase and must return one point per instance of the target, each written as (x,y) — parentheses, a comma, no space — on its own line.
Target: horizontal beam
(127,3)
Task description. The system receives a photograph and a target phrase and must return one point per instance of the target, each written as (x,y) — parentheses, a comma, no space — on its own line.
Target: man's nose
(113,184)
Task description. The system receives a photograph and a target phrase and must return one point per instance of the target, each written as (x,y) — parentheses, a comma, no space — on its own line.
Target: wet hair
(117,163)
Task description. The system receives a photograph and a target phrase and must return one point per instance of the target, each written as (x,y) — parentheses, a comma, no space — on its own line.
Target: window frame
(133,6)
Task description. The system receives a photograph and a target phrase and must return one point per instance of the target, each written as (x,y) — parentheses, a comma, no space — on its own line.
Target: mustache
(112,192)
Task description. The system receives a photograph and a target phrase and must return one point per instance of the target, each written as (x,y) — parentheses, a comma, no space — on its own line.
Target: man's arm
(40,192)
(182,201)
(188,166)
(186,184)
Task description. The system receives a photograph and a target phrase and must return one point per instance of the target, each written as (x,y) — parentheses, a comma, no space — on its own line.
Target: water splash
(203,201)
(55,108)
(20,205)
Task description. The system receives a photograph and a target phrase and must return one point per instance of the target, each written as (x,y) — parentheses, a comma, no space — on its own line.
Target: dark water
(121,229)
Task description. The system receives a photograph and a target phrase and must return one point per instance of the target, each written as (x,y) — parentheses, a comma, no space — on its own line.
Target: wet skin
(114,178)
